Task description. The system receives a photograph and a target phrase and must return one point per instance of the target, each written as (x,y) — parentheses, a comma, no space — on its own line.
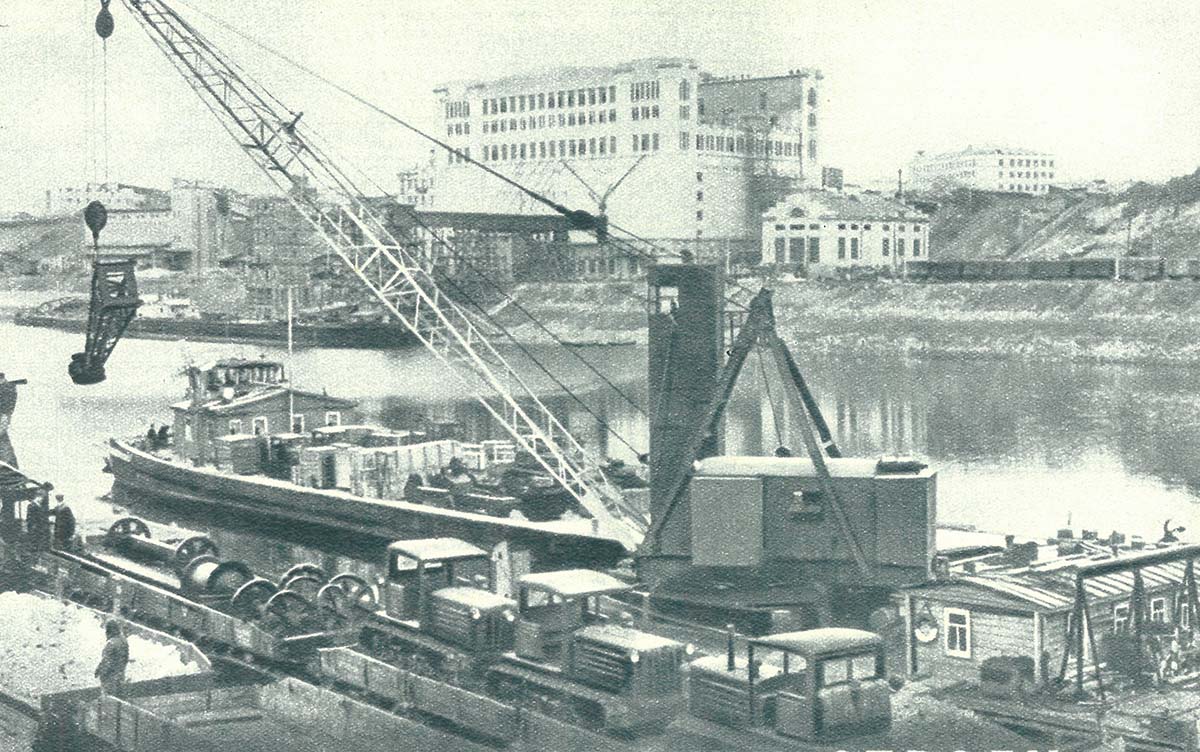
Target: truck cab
(817,684)
(442,586)
(555,604)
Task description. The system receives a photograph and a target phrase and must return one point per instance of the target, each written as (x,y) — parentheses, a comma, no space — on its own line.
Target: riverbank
(1085,321)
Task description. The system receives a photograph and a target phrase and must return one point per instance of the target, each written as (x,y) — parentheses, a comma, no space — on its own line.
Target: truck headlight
(634,656)
(689,649)
(476,614)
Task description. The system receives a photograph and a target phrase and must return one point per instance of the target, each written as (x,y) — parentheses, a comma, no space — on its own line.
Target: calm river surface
(1019,446)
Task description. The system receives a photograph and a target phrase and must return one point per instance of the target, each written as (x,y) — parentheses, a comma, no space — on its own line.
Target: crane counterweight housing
(280,144)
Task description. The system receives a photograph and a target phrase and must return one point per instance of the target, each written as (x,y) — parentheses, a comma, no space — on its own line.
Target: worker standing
(113,659)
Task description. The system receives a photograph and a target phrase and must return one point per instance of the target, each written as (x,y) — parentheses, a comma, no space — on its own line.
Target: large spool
(131,536)
(249,599)
(346,597)
(207,575)
(289,610)
(305,569)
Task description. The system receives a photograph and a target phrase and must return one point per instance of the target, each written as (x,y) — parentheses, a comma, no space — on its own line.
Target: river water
(1023,447)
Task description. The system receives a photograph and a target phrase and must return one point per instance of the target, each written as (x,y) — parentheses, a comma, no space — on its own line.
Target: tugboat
(244,440)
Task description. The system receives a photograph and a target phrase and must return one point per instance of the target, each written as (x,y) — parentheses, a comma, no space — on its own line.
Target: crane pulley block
(114,304)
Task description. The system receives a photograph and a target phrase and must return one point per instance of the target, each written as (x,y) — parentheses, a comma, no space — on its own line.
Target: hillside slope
(1143,220)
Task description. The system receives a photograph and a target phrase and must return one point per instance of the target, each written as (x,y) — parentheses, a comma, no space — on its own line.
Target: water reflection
(1021,446)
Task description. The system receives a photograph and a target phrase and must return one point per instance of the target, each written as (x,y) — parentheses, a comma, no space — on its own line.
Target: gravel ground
(50,646)
(922,722)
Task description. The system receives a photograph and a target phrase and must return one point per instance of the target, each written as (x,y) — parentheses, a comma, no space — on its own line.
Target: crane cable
(416,218)
(429,137)
(459,290)
(319,150)
(770,397)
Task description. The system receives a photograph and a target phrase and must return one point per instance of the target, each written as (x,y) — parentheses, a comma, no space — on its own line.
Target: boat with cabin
(245,440)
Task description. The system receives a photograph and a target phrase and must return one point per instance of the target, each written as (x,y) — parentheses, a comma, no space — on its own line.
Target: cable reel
(347,597)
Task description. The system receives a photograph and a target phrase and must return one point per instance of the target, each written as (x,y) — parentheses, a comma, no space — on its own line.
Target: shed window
(1121,617)
(1158,609)
(958,632)
(187,429)
(260,425)
(333,418)
(298,423)
(235,426)
(1185,613)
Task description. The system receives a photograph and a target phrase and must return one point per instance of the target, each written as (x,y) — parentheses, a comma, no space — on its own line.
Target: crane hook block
(96,217)
(114,304)
(104,20)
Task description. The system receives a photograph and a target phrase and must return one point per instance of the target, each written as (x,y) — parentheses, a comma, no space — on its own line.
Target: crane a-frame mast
(273,137)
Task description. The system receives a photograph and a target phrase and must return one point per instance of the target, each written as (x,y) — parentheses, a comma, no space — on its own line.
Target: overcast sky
(1113,88)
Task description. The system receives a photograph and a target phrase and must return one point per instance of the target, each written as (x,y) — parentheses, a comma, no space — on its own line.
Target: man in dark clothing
(113,660)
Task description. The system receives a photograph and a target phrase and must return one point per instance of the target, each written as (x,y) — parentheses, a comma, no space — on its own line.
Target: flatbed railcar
(552,651)
(212,621)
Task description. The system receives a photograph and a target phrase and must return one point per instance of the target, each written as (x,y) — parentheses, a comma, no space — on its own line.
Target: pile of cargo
(239,453)
(50,646)
(379,472)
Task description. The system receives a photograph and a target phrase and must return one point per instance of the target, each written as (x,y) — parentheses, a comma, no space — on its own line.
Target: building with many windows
(664,149)
(830,228)
(985,169)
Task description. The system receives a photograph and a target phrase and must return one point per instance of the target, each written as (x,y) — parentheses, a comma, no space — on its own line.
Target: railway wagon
(1134,269)
(1093,268)
(1182,268)
(982,270)
(273,640)
(814,685)
(76,578)
(386,684)
(916,270)
(1049,269)
(945,271)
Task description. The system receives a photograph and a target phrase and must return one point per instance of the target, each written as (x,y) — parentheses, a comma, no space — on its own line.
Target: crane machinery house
(666,151)
(741,537)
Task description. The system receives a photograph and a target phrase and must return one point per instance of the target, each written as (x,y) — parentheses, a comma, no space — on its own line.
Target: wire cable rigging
(574,215)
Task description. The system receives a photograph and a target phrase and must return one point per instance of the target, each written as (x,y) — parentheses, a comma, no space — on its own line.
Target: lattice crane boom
(274,138)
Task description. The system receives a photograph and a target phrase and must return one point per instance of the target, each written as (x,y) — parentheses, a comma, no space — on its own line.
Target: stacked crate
(288,447)
(382,472)
(238,453)
(310,471)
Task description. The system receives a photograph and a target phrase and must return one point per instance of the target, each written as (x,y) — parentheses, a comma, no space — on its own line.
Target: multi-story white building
(830,228)
(114,196)
(666,150)
(985,169)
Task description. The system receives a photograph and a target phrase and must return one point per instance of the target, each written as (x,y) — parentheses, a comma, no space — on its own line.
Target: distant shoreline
(1097,322)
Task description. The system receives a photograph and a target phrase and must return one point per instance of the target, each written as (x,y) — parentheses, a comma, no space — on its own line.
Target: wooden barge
(364,335)
(138,473)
